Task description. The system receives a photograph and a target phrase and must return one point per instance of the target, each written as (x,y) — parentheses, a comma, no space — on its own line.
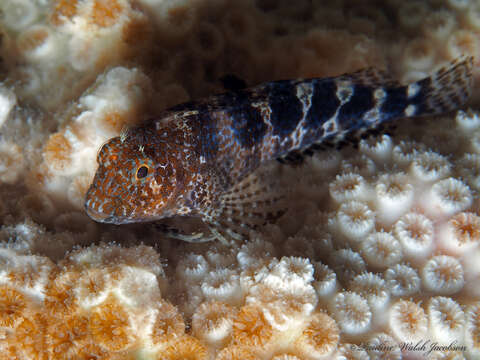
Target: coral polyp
(251,328)
(320,338)
(12,307)
(408,321)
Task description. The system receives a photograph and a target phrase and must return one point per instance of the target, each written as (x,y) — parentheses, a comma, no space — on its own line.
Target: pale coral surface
(379,250)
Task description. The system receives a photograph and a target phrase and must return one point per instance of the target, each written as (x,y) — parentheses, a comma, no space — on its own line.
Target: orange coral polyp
(60,300)
(110,327)
(58,151)
(89,351)
(65,334)
(184,348)
(64,9)
(12,306)
(168,324)
(106,12)
(113,121)
(236,352)
(251,328)
(30,338)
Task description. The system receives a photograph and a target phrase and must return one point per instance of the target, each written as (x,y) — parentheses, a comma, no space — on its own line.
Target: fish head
(136,181)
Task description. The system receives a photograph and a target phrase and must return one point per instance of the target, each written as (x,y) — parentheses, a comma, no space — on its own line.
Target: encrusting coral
(378,250)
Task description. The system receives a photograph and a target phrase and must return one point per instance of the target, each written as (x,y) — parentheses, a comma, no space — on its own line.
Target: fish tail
(446,90)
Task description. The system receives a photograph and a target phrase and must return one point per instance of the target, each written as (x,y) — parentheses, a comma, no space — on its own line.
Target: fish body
(191,159)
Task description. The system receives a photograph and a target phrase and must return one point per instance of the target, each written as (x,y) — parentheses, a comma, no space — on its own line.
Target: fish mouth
(127,217)
(96,212)
(98,216)
(102,217)
(106,218)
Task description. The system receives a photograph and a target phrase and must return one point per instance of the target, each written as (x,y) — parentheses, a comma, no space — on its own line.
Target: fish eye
(142,171)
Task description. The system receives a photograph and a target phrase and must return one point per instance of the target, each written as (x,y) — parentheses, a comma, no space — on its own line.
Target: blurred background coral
(380,246)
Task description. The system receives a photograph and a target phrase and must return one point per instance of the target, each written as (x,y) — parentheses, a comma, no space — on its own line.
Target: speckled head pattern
(137,179)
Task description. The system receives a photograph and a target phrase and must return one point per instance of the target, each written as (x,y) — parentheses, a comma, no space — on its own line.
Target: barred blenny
(196,159)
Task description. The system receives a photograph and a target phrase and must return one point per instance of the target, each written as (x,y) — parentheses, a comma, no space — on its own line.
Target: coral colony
(377,255)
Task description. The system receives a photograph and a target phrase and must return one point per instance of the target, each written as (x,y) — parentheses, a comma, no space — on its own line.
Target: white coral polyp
(355,220)
(192,267)
(448,197)
(349,186)
(290,307)
(347,351)
(394,196)
(443,275)
(373,288)
(408,321)
(469,169)
(298,245)
(360,164)
(416,234)
(472,329)
(405,151)
(253,250)
(120,90)
(294,269)
(381,250)
(430,166)
(18,14)
(347,264)
(24,236)
(325,280)
(379,149)
(222,285)
(383,346)
(352,313)
(461,234)
(320,338)
(402,280)
(138,287)
(467,121)
(213,322)
(218,259)
(37,269)
(446,320)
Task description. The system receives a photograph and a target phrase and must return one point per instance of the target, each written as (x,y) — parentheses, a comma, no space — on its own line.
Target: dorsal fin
(231,82)
(370,76)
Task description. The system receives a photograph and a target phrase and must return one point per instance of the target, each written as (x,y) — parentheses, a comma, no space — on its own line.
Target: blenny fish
(197,159)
